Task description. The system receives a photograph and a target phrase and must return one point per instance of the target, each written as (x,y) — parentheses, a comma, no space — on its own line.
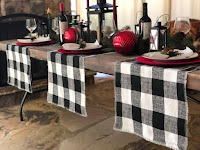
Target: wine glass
(182,24)
(55,25)
(31,25)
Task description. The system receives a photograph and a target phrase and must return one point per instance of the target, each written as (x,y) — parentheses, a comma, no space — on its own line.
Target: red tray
(36,44)
(154,63)
(80,51)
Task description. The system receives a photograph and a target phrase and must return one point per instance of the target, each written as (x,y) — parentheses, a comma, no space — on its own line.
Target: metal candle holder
(137,26)
(158,37)
(100,9)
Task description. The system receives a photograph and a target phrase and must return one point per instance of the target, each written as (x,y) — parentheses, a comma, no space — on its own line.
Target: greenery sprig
(82,44)
(180,41)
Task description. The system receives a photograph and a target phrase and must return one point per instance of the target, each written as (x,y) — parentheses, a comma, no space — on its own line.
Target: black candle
(114,14)
(88,3)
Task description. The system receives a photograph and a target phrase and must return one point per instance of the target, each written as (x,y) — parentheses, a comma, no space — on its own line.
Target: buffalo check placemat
(19,67)
(66,82)
(151,103)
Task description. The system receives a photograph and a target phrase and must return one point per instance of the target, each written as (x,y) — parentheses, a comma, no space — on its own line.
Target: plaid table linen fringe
(151,103)
(19,67)
(66,82)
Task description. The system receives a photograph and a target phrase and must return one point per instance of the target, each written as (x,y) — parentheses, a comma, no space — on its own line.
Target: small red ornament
(70,35)
(124,42)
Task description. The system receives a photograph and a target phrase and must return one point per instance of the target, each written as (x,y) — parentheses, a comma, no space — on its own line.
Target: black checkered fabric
(151,102)
(19,67)
(66,82)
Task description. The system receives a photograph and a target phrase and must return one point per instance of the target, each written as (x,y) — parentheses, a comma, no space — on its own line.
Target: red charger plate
(92,51)
(178,62)
(36,44)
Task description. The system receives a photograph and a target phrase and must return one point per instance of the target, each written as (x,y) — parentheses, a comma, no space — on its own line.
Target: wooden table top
(100,63)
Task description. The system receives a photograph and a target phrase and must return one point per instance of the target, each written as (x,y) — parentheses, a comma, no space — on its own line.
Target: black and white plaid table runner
(151,102)
(19,67)
(66,82)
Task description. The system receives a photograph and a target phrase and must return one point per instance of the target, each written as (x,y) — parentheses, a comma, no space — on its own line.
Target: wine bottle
(63,23)
(145,23)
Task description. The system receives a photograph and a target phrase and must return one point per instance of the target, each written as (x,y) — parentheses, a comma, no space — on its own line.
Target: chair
(13,26)
(194,31)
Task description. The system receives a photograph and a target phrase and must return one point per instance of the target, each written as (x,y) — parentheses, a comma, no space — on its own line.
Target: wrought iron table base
(21,107)
(193,99)
(26,93)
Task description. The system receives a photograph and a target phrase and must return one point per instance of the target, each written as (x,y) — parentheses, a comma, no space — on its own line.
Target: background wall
(126,11)
(128,8)
(32,6)
(190,8)
(156,8)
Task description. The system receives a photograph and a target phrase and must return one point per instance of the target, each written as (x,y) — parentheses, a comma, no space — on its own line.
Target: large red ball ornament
(124,42)
(70,35)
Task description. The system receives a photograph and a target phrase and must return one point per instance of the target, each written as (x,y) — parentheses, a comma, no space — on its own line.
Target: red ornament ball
(70,35)
(124,42)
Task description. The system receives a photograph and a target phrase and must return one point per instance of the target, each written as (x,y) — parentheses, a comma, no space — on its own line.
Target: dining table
(156,114)
(103,63)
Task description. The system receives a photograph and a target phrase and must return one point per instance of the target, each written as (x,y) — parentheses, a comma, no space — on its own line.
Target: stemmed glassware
(182,24)
(55,25)
(31,25)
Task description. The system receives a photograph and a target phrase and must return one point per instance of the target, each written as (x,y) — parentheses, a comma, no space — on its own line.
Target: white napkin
(24,40)
(91,46)
(74,46)
(186,53)
(71,46)
(42,39)
(156,55)
(37,40)
(183,54)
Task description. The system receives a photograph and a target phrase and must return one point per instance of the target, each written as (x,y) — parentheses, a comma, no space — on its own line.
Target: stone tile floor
(47,127)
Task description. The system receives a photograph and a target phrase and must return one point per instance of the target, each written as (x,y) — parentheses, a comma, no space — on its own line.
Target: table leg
(21,107)
(193,99)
